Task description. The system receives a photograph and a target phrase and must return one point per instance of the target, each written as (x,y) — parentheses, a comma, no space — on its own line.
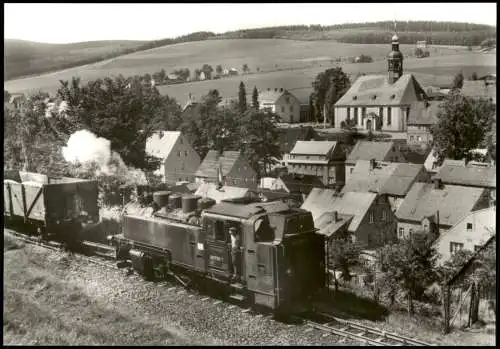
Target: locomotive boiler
(282,258)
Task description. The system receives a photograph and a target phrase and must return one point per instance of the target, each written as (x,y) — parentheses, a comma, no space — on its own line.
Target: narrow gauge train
(282,258)
(53,208)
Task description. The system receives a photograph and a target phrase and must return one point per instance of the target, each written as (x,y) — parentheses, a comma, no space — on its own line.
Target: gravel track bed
(206,322)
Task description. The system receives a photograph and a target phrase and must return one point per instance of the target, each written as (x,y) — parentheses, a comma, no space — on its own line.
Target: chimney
(281,89)
(269,89)
(335,216)
(275,89)
(372,164)
(437,183)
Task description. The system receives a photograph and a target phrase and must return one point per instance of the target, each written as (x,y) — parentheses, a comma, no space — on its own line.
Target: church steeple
(395,59)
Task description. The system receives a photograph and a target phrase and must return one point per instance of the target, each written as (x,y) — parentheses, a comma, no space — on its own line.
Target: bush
(432,294)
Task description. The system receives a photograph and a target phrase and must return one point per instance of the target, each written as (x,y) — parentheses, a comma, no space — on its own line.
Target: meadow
(291,64)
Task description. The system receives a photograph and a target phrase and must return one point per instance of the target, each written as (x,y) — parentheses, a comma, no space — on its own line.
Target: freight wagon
(50,207)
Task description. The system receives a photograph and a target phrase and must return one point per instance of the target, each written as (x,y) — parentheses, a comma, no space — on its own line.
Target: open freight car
(282,259)
(54,208)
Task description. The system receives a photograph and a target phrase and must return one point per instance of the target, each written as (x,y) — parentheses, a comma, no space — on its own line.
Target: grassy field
(24,58)
(297,62)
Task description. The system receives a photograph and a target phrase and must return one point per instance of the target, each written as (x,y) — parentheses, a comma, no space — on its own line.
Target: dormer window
(354,97)
(374,97)
(393,96)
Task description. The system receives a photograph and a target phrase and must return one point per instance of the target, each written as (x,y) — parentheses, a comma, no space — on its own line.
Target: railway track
(357,331)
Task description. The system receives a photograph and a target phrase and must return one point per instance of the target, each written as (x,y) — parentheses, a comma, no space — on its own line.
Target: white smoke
(85,148)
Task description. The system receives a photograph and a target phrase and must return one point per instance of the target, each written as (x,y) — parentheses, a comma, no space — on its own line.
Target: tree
(312,109)
(473,76)
(409,265)
(419,52)
(255,98)
(196,73)
(259,139)
(324,81)
(343,255)
(218,69)
(242,98)
(330,100)
(245,68)
(463,124)
(458,81)
(207,69)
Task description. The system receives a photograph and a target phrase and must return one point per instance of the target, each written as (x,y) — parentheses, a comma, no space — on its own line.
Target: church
(380,102)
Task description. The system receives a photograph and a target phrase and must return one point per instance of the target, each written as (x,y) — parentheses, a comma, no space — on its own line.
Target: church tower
(395,60)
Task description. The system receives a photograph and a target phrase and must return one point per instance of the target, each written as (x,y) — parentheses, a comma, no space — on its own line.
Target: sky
(66,23)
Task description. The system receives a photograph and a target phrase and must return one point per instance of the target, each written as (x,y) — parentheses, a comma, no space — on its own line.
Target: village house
(486,89)
(393,180)
(282,103)
(378,102)
(290,135)
(469,233)
(423,115)
(214,192)
(434,208)
(323,159)
(373,223)
(378,151)
(230,167)
(297,185)
(179,161)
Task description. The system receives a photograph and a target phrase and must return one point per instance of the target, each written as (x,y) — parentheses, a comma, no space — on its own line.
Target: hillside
(290,64)
(24,58)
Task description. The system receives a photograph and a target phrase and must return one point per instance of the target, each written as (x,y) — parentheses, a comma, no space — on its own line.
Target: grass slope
(291,64)
(24,58)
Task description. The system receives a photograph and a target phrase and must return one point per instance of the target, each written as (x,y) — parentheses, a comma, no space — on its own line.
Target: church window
(363,112)
(389,116)
(356,116)
(348,113)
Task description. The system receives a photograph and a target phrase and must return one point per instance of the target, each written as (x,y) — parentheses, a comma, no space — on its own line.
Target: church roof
(375,90)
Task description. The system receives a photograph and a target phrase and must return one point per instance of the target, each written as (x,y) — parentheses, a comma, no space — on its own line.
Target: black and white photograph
(249,174)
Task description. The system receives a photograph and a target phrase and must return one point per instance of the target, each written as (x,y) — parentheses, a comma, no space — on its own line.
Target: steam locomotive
(52,208)
(282,258)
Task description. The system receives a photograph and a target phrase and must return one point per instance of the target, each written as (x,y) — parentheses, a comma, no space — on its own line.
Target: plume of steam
(85,148)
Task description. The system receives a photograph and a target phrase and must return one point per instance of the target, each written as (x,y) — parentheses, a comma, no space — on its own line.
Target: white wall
(183,167)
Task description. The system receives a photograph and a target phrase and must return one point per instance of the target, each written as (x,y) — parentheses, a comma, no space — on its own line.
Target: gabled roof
(479,89)
(210,165)
(226,192)
(364,150)
(320,201)
(424,113)
(271,96)
(386,178)
(161,143)
(452,201)
(301,183)
(327,226)
(465,175)
(313,147)
(288,136)
(376,90)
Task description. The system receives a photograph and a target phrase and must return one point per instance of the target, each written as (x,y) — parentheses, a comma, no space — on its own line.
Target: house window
(178,153)
(288,99)
(307,157)
(348,113)
(469,226)
(411,138)
(410,233)
(384,215)
(401,232)
(363,112)
(455,247)
(419,138)
(291,109)
(389,116)
(371,217)
(356,116)
(282,109)
(185,153)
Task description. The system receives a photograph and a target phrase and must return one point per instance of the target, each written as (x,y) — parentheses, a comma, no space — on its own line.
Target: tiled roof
(387,178)
(161,143)
(471,176)
(313,147)
(301,183)
(376,90)
(478,89)
(270,96)
(320,201)
(226,192)
(452,201)
(327,226)
(424,113)
(210,165)
(364,150)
